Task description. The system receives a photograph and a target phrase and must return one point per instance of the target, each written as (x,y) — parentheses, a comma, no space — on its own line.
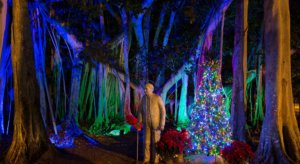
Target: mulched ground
(106,150)
(97,150)
(102,149)
(87,152)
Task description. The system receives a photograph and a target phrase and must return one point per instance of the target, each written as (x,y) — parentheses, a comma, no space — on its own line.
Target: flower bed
(237,152)
(173,142)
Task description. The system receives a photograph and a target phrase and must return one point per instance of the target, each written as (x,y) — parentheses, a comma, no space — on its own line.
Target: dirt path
(107,150)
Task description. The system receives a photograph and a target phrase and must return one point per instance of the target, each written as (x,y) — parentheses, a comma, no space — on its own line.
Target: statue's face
(148,90)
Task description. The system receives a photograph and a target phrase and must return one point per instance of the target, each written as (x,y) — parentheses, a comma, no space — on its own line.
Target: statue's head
(148,89)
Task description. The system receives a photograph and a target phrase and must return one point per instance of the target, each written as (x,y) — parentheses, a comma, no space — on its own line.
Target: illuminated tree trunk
(239,66)
(4,62)
(141,67)
(169,28)
(39,43)
(160,24)
(182,110)
(60,105)
(72,124)
(161,75)
(3,13)
(279,139)
(204,41)
(126,48)
(4,58)
(77,47)
(177,4)
(213,23)
(30,140)
(172,81)
(214,20)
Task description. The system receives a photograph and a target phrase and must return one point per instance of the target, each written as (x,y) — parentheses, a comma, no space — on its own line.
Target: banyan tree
(78,68)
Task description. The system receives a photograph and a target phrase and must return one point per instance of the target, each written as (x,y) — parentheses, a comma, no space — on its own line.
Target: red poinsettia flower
(237,152)
(173,142)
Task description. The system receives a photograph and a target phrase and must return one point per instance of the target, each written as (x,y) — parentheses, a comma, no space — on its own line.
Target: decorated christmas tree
(209,126)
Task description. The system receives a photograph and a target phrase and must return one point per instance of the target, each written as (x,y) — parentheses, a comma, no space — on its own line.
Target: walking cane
(137,147)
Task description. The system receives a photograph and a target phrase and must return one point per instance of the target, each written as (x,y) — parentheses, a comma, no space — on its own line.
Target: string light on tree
(209,128)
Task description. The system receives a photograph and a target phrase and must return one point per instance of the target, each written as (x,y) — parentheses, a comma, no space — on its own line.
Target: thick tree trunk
(29,138)
(2,92)
(141,56)
(5,64)
(77,47)
(239,66)
(4,57)
(3,13)
(280,138)
(182,110)
(72,124)
(39,44)
(141,65)
(125,49)
(101,101)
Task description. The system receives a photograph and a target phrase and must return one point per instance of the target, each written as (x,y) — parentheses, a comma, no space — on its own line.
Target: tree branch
(71,39)
(214,20)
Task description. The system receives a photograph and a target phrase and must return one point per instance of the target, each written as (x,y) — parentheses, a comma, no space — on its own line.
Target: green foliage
(227,91)
(115,122)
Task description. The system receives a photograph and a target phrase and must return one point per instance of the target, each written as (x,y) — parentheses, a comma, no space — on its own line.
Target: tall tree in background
(29,139)
(125,49)
(139,29)
(239,66)
(280,138)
